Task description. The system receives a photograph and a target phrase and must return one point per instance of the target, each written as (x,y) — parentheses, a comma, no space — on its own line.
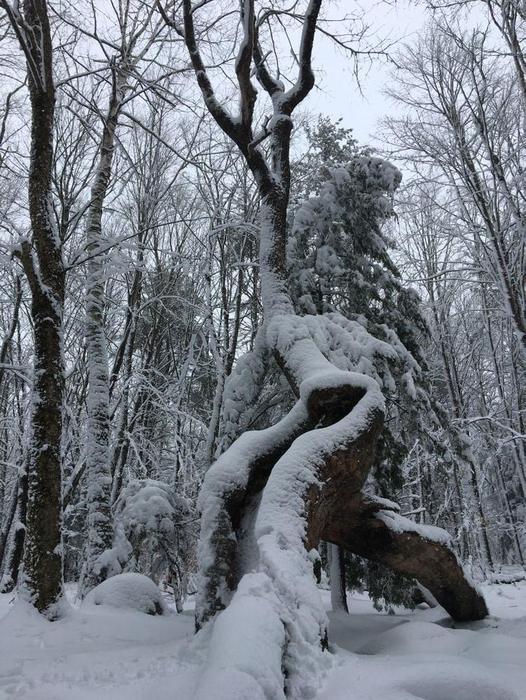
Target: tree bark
(270,498)
(337,578)
(42,261)
(16,551)
(363,528)
(98,462)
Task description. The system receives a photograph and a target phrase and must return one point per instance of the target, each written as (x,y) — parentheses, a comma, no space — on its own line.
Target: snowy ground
(420,655)
(104,654)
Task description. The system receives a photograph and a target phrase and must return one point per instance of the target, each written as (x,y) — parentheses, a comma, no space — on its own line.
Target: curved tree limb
(365,527)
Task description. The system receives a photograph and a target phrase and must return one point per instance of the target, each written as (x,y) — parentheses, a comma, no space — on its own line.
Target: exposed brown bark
(432,563)
(341,514)
(329,468)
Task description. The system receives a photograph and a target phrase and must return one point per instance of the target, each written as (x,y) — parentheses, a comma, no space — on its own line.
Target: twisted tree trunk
(376,531)
(272,496)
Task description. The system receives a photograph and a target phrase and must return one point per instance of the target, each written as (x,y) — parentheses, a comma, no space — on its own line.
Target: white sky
(337,94)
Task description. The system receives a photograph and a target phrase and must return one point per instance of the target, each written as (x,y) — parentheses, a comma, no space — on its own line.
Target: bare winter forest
(262,383)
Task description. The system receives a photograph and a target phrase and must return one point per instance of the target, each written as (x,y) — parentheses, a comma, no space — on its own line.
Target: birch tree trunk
(337,578)
(98,460)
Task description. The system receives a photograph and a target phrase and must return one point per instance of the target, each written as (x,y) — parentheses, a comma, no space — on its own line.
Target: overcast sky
(337,93)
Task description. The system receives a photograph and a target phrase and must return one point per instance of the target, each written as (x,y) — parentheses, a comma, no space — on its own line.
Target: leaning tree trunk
(275,493)
(376,531)
(279,492)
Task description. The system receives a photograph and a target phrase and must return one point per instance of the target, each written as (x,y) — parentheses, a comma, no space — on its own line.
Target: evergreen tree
(340,265)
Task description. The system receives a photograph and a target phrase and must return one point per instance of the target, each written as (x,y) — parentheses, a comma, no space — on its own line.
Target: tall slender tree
(41,257)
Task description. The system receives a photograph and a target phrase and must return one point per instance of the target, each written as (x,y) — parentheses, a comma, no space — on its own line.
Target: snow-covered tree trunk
(100,523)
(9,513)
(7,507)
(337,578)
(15,552)
(275,493)
(41,258)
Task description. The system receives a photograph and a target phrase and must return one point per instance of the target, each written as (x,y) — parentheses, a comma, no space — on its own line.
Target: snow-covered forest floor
(111,654)
(422,654)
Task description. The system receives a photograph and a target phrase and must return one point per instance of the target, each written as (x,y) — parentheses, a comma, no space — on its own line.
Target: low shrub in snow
(155,533)
(132,591)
